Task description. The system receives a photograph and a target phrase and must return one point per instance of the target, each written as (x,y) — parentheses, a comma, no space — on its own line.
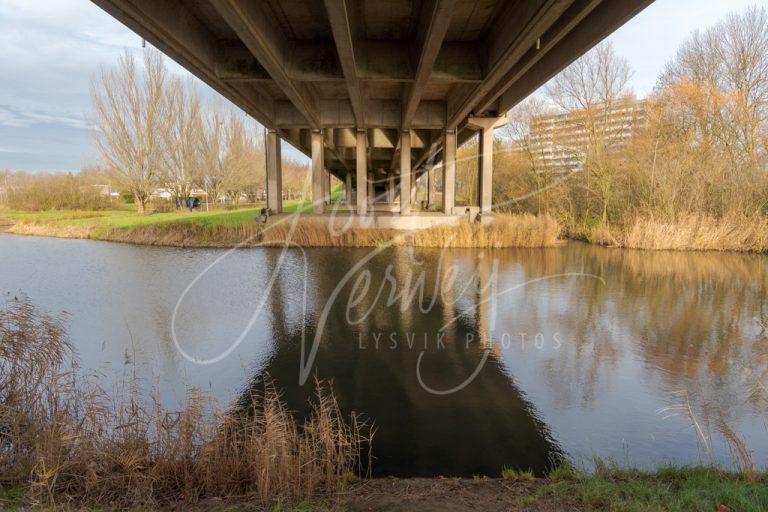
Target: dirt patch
(449,495)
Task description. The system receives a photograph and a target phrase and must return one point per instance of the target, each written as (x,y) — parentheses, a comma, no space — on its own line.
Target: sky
(50,50)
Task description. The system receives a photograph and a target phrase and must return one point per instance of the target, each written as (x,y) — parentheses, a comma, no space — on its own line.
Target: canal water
(465,360)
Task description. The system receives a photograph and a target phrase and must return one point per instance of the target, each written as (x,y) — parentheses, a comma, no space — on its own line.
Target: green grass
(11,499)
(126,216)
(668,490)
(516,474)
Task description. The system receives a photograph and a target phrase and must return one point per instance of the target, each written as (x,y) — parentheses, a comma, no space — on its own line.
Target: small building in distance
(560,142)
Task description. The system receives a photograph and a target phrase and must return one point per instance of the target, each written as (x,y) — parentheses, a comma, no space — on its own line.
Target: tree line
(153,131)
(702,150)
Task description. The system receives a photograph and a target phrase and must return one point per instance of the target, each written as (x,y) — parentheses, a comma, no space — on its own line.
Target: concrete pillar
(405,173)
(391,185)
(361,173)
(429,185)
(274,173)
(348,189)
(326,187)
(449,172)
(485,178)
(317,172)
(371,189)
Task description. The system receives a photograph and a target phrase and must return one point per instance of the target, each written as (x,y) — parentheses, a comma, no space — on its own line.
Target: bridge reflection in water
(422,370)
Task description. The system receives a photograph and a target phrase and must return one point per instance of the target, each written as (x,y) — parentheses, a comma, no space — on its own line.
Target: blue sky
(50,50)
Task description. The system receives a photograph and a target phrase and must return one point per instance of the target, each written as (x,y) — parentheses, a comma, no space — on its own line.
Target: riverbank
(669,489)
(241,228)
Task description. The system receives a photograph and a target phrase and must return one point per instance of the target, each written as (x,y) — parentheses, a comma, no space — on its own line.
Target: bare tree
(184,140)
(242,163)
(213,168)
(592,83)
(591,90)
(728,64)
(132,114)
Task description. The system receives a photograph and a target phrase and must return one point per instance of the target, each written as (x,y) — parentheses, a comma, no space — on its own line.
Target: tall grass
(503,231)
(66,442)
(689,233)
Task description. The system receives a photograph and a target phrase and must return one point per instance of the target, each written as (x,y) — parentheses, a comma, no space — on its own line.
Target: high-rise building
(561,142)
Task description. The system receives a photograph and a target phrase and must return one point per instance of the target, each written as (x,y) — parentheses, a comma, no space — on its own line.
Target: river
(465,360)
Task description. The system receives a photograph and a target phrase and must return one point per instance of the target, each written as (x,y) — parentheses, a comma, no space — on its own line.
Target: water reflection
(373,365)
(580,348)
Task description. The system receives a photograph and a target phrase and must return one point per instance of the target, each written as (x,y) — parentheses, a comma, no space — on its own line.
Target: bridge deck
(383,68)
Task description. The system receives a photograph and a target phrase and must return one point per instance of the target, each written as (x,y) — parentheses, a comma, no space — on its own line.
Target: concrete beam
(274,173)
(170,27)
(318,169)
(601,22)
(559,30)
(262,37)
(435,19)
(362,173)
(405,173)
(338,14)
(513,34)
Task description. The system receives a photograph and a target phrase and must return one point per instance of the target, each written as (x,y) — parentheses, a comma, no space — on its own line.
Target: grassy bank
(667,490)
(231,228)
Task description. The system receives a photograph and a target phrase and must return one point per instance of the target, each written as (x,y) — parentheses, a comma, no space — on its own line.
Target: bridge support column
(405,173)
(348,189)
(429,186)
(485,178)
(449,172)
(326,185)
(274,173)
(485,160)
(361,172)
(391,185)
(371,188)
(318,198)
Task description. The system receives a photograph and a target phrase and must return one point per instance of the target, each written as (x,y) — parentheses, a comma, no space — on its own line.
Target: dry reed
(502,231)
(699,233)
(66,442)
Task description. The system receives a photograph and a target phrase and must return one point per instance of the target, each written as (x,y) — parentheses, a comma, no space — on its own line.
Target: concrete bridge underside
(376,92)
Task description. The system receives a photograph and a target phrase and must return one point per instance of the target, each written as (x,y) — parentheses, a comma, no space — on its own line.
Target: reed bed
(523,230)
(690,233)
(65,442)
(700,233)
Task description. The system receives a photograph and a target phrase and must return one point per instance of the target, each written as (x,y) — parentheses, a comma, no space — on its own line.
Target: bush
(54,191)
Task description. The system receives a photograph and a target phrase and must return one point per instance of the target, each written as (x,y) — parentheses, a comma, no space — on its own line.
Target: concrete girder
(435,19)
(601,22)
(170,27)
(508,46)
(343,35)
(255,29)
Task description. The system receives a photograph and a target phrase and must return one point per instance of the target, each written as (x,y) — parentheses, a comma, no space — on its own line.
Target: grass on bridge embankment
(231,228)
